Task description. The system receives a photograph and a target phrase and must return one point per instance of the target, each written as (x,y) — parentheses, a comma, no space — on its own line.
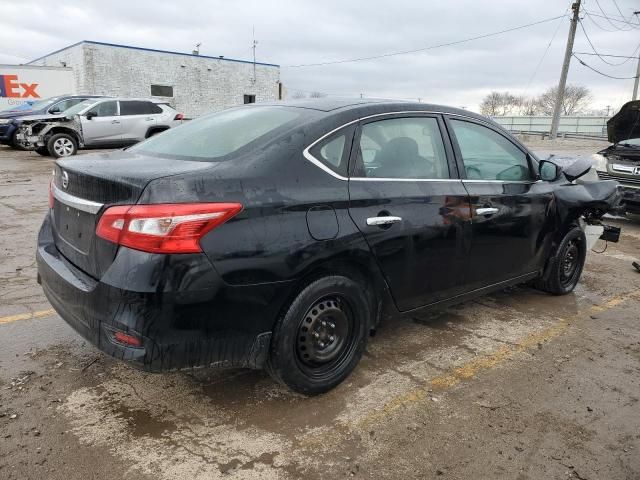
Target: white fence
(588,126)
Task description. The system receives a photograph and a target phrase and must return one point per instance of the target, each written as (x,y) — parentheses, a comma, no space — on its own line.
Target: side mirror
(54,110)
(91,114)
(549,171)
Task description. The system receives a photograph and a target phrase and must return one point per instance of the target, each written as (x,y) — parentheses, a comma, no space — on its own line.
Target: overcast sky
(296,32)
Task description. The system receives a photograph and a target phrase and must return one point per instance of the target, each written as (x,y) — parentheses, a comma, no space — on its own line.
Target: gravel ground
(514,385)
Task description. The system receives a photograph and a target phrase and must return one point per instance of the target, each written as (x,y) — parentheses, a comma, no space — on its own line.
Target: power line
(601,57)
(535,72)
(620,11)
(599,72)
(432,47)
(611,20)
(613,56)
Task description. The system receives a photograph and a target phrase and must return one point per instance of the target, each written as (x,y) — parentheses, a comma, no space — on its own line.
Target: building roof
(92,42)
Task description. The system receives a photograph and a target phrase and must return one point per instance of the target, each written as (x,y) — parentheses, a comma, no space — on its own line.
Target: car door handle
(377,221)
(149,119)
(486,211)
(115,121)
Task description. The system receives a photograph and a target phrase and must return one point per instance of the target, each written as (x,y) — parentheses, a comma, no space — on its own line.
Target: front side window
(487,155)
(410,148)
(214,137)
(65,105)
(105,109)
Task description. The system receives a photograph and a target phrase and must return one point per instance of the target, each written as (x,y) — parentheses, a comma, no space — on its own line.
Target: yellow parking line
(27,316)
(468,370)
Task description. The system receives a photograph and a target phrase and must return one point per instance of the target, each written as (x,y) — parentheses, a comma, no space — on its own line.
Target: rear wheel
(62,145)
(565,267)
(318,342)
(42,151)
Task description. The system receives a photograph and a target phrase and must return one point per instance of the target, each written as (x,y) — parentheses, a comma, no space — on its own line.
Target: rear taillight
(163,228)
(51,198)
(179,116)
(127,339)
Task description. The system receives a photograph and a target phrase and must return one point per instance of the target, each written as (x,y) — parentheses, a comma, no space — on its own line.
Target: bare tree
(317,95)
(576,98)
(499,104)
(491,104)
(528,106)
(297,95)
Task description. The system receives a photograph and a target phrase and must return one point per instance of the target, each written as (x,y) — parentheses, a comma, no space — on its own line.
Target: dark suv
(277,235)
(9,119)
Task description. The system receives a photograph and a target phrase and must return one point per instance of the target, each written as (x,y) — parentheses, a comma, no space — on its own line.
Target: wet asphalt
(518,384)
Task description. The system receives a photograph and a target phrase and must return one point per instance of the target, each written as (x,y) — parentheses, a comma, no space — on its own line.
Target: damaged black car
(278,235)
(621,161)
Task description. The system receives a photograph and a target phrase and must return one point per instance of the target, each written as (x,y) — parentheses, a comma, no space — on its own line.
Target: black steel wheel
(564,268)
(320,339)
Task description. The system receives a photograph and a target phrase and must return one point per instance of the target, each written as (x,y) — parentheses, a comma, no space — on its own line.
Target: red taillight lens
(51,198)
(179,116)
(164,228)
(127,339)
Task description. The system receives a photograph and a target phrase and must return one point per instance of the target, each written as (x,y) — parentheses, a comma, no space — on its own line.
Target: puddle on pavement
(142,423)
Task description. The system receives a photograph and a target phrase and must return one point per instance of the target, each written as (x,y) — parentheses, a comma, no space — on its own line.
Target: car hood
(39,118)
(625,124)
(16,113)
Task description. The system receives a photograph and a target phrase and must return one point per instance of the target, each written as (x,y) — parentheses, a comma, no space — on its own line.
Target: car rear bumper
(202,322)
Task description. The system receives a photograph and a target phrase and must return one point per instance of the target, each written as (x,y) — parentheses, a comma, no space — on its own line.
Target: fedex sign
(21,84)
(10,87)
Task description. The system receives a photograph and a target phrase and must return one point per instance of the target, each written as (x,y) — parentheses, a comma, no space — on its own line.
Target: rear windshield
(215,136)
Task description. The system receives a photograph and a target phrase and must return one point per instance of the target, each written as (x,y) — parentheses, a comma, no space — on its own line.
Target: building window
(161,91)
(249,99)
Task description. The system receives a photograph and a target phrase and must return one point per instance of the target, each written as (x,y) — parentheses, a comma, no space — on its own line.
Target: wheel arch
(357,265)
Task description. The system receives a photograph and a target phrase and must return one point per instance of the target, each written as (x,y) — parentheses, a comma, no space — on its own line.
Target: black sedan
(277,235)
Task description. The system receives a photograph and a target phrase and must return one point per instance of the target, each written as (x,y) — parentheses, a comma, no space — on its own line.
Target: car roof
(356,105)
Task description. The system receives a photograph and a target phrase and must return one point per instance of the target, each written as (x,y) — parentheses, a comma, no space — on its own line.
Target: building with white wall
(193,84)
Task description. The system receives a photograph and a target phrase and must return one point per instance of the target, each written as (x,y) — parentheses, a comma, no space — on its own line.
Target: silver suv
(108,122)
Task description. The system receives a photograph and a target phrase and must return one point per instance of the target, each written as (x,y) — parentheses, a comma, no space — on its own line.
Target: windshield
(78,107)
(217,135)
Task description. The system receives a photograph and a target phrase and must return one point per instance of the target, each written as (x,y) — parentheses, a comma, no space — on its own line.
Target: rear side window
(334,150)
(487,155)
(215,136)
(135,107)
(409,148)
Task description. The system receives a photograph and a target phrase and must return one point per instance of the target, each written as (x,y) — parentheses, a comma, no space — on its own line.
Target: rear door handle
(149,119)
(377,221)
(486,211)
(115,121)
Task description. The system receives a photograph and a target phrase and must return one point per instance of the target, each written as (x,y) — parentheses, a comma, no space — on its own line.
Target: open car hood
(625,124)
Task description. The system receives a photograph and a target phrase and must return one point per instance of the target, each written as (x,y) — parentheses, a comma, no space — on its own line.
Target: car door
(137,118)
(104,126)
(413,210)
(510,220)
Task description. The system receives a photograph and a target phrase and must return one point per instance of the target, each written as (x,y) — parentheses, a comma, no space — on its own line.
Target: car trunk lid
(84,186)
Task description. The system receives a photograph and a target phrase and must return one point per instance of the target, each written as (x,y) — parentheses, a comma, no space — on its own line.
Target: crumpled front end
(35,133)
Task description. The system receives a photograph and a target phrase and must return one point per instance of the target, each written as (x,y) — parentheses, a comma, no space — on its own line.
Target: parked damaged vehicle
(10,119)
(277,236)
(621,161)
(108,122)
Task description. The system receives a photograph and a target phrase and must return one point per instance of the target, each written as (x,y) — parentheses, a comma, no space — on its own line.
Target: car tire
(321,337)
(42,151)
(564,268)
(62,145)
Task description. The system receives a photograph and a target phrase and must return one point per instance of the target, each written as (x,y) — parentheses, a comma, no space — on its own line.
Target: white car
(108,122)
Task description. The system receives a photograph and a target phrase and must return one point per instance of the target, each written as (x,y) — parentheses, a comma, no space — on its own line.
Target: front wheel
(564,268)
(62,145)
(320,339)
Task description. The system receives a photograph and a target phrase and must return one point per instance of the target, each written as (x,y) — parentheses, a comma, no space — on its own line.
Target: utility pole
(635,84)
(555,122)
(253,47)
